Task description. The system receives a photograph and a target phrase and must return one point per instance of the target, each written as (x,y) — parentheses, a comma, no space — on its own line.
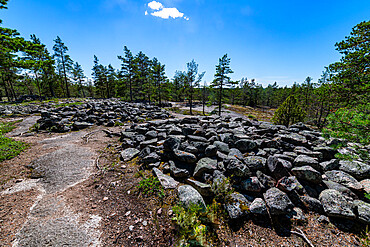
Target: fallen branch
(97,162)
(303,236)
(88,135)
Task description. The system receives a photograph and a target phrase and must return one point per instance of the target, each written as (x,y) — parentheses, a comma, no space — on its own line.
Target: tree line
(343,91)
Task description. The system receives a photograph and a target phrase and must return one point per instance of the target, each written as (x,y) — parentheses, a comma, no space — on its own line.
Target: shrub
(289,112)
(351,124)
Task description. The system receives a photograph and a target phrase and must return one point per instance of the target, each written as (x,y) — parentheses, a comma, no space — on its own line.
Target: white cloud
(154,5)
(164,13)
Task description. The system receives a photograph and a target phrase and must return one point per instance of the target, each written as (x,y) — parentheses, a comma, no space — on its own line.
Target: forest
(339,100)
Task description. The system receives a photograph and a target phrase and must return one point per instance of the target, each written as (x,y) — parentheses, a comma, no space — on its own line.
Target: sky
(283,41)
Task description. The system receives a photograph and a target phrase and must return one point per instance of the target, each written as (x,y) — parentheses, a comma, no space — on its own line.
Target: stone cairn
(274,170)
(99,112)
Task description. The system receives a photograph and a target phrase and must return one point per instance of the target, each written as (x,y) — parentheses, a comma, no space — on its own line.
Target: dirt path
(50,220)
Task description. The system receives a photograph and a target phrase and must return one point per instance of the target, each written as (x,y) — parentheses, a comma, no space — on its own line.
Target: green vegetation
(289,112)
(352,124)
(367,195)
(151,186)
(195,226)
(9,148)
(365,237)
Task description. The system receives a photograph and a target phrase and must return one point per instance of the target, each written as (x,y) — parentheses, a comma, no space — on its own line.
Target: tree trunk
(130,84)
(65,76)
(220,99)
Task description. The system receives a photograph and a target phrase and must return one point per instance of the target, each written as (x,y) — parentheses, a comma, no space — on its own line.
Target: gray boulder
(276,167)
(205,165)
(342,189)
(307,173)
(166,181)
(251,185)
(344,179)
(312,204)
(237,206)
(258,206)
(185,157)
(129,153)
(222,147)
(211,150)
(332,164)
(245,145)
(277,202)
(188,196)
(363,211)
(355,168)
(171,144)
(335,204)
(202,188)
(255,163)
(304,160)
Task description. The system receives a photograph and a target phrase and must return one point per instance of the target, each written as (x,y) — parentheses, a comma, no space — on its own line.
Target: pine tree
(128,69)
(159,77)
(193,79)
(221,78)
(289,112)
(64,61)
(78,77)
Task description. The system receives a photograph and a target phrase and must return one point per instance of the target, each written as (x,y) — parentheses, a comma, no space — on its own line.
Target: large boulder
(307,173)
(245,145)
(277,202)
(185,157)
(129,153)
(344,179)
(363,211)
(171,144)
(258,207)
(236,206)
(276,167)
(355,168)
(335,204)
(304,160)
(205,165)
(189,196)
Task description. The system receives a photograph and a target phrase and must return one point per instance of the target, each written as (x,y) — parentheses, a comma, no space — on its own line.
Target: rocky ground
(80,188)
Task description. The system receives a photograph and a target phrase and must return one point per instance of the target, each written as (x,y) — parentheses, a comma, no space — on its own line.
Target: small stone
(105,199)
(159,211)
(127,213)
(131,228)
(145,223)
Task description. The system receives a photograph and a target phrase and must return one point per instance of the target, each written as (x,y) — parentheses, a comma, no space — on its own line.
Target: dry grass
(260,114)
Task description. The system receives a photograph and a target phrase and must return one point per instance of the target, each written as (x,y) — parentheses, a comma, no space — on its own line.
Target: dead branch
(303,236)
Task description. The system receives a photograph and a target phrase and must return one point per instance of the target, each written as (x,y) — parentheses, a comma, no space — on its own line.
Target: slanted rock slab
(166,181)
(335,204)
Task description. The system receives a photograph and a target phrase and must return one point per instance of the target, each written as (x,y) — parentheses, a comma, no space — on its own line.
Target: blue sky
(282,41)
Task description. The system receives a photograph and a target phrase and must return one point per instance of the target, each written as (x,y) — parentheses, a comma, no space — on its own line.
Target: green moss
(10,148)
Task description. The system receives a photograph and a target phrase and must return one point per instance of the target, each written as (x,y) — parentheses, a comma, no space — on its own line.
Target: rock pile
(100,112)
(273,169)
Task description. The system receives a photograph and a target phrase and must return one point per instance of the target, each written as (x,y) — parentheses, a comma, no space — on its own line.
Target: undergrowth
(9,148)
(151,186)
(195,225)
